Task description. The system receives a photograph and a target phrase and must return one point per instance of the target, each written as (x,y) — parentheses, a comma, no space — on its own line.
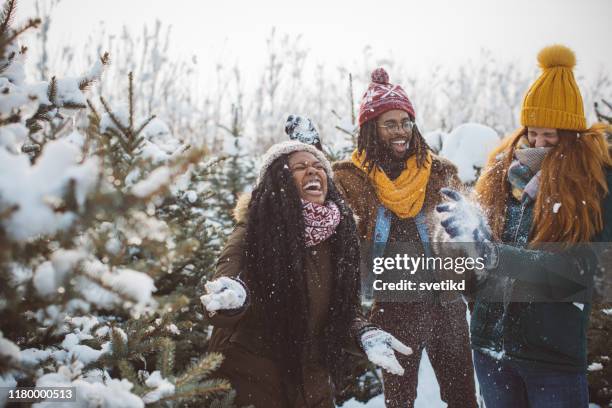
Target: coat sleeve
(230,264)
(569,269)
(359,325)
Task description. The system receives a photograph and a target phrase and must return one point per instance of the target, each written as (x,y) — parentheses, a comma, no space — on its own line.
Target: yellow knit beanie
(554,100)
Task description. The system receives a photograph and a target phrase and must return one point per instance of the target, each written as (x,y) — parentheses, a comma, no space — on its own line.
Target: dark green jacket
(540,333)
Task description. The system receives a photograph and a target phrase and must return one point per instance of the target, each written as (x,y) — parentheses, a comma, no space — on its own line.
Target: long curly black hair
(377,153)
(275,271)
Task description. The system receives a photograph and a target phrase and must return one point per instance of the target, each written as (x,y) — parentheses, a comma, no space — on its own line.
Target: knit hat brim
(551,118)
(378,109)
(292,146)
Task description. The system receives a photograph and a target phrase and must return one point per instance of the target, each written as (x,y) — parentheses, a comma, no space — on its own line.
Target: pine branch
(94,112)
(201,369)
(32,23)
(52,91)
(86,82)
(206,388)
(144,125)
(71,105)
(114,118)
(600,115)
(165,359)
(7,16)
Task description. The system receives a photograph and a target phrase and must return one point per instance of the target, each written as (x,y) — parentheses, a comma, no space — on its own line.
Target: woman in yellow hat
(548,183)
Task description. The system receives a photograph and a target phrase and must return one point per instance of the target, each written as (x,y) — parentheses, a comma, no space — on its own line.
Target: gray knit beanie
(280,149)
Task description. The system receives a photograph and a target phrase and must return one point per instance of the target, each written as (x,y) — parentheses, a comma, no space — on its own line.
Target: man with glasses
(392,182)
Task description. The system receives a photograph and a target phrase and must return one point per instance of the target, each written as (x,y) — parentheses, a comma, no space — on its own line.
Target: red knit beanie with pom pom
(381,97)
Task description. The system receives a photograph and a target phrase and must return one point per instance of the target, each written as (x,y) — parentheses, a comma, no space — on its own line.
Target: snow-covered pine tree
(84,246)
(234,174)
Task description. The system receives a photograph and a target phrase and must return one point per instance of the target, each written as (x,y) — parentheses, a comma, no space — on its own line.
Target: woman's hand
(380,348)
(223,294)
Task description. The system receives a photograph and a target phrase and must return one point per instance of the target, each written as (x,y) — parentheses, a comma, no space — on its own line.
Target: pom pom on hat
(556,56)
(380,76)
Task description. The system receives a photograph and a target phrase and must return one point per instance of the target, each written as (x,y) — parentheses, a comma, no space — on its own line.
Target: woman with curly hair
(285,297)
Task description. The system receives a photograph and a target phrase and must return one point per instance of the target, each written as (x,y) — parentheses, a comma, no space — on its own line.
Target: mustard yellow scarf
(406,194)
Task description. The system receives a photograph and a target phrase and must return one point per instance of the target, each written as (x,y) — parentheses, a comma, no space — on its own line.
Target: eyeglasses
(393,127)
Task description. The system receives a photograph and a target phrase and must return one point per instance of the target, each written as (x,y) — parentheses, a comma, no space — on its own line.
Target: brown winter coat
(355,186)
(440,327)
(360,194)
(249,363)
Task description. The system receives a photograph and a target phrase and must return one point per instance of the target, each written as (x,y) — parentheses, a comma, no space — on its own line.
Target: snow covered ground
(428,391)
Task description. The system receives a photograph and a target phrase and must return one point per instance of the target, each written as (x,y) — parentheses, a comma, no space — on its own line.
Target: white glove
(223,293)
(379,346)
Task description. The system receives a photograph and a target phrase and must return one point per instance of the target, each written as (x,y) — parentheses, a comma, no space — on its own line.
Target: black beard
(391,164)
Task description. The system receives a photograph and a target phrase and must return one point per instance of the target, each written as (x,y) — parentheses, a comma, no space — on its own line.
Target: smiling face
(309,176)
(391,130)
(542,137)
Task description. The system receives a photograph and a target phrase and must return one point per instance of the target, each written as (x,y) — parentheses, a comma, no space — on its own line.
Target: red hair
(573,174)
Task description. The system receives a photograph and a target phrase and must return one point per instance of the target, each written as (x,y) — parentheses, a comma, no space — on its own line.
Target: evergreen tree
(99,248)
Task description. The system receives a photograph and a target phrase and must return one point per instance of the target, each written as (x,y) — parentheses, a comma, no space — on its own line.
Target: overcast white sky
(417,33)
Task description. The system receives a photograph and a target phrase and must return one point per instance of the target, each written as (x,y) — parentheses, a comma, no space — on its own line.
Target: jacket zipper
(518,226)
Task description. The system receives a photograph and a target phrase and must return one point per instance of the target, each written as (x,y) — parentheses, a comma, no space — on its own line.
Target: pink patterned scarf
(320,221)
